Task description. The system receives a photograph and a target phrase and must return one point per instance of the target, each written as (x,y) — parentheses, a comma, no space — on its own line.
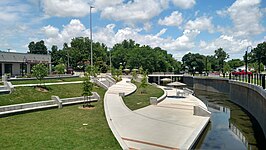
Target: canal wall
(250,97)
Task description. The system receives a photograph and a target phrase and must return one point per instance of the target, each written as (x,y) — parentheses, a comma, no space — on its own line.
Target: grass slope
(59,128)
(47,81)
(139,100)
(30,94)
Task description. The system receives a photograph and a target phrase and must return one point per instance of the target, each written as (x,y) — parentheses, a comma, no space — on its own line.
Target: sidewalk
(168,125)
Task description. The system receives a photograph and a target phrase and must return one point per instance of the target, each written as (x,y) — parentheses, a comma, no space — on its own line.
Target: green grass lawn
(139,100)
(30,94)
(47,81)
(59,128)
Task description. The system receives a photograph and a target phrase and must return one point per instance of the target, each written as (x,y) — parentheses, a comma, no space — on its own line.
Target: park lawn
(47,81)
(30,94)
(139,100)
(59,129)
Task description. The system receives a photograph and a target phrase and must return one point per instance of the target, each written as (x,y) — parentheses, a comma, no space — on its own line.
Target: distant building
(18,64)
(243,68)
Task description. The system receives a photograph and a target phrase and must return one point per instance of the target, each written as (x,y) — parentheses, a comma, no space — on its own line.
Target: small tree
(144,83)
(92,70)
(134,74)
(40,71)
(87,88)
(140,70)
(60,68)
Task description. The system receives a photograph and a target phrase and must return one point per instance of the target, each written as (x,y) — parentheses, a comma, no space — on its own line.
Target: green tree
(227,68)
(87,88)
(134,74)
(221,56)
(60,68)
(235,63)
(37,48)
(40,71)
(92,70)
(258,54)
(144,83)
(194,62)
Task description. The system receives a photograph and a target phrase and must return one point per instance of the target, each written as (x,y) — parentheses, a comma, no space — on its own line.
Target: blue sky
(178,26)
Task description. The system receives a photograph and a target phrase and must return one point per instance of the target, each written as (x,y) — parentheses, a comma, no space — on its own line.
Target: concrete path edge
(109,120)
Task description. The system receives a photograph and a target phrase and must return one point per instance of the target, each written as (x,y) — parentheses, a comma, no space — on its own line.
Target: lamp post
(246,61)
(91,35)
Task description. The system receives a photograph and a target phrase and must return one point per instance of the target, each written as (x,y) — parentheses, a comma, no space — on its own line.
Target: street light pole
(246,61)
(91,35)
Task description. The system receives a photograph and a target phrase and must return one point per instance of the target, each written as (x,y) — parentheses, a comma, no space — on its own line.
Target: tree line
(131,55)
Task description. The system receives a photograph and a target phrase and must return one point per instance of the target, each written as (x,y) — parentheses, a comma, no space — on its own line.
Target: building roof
(24,57)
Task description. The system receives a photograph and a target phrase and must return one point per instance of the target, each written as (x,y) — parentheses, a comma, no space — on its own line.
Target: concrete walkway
(168,125)
(55,83)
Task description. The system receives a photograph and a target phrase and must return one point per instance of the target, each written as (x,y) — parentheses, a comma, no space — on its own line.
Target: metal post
(247,58)
(263,81)
(246,62)
(91,35)
(206,65)
(248,78)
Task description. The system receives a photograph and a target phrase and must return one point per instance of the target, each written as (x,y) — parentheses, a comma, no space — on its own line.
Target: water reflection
(231,127)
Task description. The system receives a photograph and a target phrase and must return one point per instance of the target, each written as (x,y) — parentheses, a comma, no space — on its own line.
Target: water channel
(231,127)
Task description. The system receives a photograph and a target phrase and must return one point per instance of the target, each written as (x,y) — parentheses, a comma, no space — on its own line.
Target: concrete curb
(163,96)
(109,119)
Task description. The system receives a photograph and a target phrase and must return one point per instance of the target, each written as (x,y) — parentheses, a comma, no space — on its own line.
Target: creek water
(231,127)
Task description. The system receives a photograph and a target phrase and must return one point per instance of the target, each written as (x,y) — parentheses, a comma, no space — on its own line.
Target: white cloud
(246,16)
(50,31)
(106,3)
(230,44)
(11,13)
(201,23)
(74,29)
(66,8)
(147,26)
(109,36)
(185,4)
(134,11)
(175,19)
(161,32)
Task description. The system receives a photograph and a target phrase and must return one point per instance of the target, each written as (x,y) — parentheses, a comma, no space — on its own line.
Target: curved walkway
(168,125)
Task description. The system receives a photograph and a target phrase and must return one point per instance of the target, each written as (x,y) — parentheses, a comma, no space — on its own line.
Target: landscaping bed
(139,99)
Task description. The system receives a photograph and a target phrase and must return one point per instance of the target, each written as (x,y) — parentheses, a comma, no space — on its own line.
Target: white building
(18,64)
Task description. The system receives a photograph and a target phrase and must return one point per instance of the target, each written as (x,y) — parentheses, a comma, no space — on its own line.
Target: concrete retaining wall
(188,80)
(250,97)
(218,85)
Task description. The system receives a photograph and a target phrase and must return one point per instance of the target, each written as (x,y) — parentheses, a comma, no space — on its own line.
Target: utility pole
(91,35)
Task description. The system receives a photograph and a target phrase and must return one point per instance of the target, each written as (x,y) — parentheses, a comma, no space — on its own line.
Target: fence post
(257,79)
(248,78)
(252,81)
(263,81)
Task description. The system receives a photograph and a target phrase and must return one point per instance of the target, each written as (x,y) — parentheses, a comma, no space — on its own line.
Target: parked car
(243,72)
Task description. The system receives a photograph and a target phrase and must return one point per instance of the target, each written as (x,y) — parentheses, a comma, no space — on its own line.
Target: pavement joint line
(149,143)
